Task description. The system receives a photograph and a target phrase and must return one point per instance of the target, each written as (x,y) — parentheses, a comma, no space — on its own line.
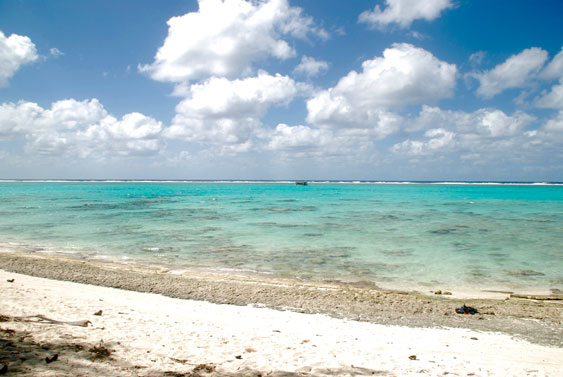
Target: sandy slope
(153,335)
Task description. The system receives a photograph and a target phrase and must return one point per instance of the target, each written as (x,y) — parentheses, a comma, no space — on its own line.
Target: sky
(460,90)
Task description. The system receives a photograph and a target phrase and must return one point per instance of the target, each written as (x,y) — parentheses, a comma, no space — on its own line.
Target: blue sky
(281,89)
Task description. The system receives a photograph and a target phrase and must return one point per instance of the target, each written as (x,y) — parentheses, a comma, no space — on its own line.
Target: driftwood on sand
(43,319)
(537,297)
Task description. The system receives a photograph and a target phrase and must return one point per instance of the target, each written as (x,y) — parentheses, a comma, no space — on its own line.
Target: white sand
(151,334)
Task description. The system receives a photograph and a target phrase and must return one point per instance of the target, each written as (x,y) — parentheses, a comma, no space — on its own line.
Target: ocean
(470,236)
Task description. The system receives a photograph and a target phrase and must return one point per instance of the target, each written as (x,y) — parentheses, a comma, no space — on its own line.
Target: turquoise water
(394,235)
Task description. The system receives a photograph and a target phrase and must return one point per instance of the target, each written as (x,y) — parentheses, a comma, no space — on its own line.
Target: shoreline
(537,321)
(463,292)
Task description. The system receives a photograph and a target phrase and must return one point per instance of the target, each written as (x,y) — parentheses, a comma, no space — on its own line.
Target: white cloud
(417,35)
(224,37)
(28,117)
(297,142)
(554,70)
(310,66)
(81,129)
(404,75)
(483,122)
(226,113)
(475,135)
(55,52)
(330,111)
(552,99)
(404,12)
(477,57)
(439,139)
(15,51)
(548,139)
(296,138)
(15,119)
(496,123)
(555,124)
(516,72)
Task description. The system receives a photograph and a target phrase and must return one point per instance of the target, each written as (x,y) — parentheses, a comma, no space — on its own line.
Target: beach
(283,188)
(146,321)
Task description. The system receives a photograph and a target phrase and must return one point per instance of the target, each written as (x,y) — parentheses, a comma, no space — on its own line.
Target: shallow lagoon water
(392,235)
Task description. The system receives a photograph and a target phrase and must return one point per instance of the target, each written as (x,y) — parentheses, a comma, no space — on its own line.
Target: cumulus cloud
(404,12)
(296,138)
(27,117)
(297,142)
(15,51)
(496,123)
(482,122)
(404,75)
(516,72)
(438,139)
(478,133)
(555,124)
(226,112)
(554,70)
(325,110)
(310,67)
(553,99)
(548,139)
(224,37)
(81,129)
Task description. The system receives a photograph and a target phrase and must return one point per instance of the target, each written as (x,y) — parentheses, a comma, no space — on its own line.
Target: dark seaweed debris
(466,310)
(99,353)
